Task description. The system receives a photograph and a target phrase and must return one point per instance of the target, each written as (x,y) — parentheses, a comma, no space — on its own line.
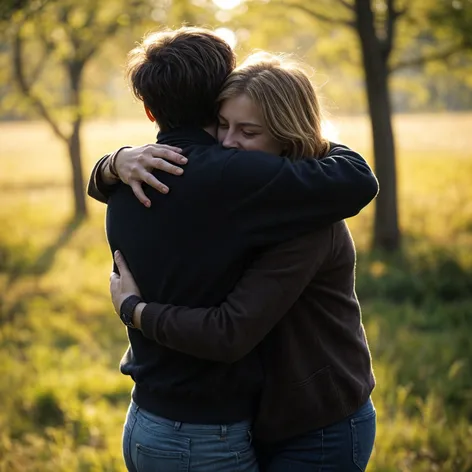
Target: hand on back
(135,165)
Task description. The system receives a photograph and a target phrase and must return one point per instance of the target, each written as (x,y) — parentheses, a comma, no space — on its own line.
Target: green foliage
(426,29)
(9,7)
(430,278)
(56,42)
(63,398)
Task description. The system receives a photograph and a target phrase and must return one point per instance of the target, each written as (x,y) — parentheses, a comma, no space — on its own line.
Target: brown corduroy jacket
(296,304)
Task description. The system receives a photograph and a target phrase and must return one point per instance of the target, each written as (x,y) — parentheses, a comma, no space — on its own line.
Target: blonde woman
(295,304)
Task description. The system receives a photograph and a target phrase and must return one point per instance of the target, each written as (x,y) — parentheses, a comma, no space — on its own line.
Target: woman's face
(242,126)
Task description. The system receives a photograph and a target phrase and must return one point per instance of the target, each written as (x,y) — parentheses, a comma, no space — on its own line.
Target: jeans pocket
(150,459)
(240,442)
(363,438)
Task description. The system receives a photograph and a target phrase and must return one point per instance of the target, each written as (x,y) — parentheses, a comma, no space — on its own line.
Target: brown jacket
(298,298)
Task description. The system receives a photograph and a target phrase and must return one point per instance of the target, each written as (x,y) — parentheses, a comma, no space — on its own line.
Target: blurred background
(395,79)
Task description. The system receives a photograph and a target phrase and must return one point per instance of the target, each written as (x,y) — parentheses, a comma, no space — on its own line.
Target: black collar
(186,136)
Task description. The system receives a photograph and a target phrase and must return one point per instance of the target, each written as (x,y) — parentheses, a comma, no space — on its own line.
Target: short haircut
(178,75)
(283,92)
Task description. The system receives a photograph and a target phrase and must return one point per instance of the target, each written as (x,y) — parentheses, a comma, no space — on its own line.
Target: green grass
(63,398)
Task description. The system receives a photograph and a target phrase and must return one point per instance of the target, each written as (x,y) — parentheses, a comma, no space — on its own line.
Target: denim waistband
(221,429)
(365,410)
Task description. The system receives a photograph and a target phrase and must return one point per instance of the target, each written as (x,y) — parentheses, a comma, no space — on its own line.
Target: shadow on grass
(435,275)
(46,258)
(18,265)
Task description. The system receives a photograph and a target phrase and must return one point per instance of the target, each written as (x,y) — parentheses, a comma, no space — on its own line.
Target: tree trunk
(74,144)
(386,230)
(75,155)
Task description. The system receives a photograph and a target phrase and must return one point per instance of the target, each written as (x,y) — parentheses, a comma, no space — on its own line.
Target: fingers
(153,182)
(115,290)
(157,184)
(161,164)
(120,262)
(139,193)
(114,284)
(172,148)
(168,153)
(153,156)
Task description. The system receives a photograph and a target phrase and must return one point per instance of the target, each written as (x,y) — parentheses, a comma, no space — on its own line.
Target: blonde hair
(287,100)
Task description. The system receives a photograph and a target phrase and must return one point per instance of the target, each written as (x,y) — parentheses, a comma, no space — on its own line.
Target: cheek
(221,134)
(254,144)
(264,143)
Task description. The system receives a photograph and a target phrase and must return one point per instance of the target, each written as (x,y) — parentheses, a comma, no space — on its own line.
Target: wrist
(107,176)
(138,311)
(114,164)
(127,309)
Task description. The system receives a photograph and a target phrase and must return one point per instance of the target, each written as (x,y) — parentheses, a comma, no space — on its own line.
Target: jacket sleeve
(264,294)
(97,188)
(271,199)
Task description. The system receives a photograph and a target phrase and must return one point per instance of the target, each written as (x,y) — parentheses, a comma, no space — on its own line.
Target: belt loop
(224,431)
(177,425)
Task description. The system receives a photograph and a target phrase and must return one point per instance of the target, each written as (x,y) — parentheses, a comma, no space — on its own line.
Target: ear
(149,114)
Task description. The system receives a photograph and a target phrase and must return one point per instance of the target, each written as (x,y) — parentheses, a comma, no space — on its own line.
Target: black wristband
(112,165)
(127,310)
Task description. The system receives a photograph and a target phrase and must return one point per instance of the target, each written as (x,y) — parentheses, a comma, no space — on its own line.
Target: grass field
(63,398)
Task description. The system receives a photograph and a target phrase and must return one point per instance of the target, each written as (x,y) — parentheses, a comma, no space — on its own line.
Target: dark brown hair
(178,75)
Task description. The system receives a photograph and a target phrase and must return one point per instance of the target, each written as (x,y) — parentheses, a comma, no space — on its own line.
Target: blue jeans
(342,447)
(155,444)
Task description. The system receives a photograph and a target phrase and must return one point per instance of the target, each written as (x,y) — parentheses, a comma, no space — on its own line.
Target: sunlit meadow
(63,398)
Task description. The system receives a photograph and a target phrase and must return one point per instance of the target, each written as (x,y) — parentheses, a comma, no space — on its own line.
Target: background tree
(436,31)
(51,45)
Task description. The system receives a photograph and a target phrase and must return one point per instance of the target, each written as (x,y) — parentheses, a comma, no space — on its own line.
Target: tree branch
(84,50)
(103,32)
(346,4)
(319,16)
(25,87)
(48,48)
(92,13)
(422,60)
(391,20)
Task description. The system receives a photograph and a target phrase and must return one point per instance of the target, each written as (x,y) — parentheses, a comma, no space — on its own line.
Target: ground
(63,398)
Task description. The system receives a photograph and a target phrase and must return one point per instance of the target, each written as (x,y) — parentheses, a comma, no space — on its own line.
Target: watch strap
(127,309)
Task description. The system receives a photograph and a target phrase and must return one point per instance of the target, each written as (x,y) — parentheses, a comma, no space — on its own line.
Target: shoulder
(246,172)
(343,241)
(333,147)
(236,159)
(341,230)
(331,240)
(318,241)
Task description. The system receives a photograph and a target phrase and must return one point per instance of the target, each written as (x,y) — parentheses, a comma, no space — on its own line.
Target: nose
(230,140)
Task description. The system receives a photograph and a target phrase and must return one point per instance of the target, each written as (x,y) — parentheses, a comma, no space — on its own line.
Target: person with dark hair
(190,248)
(165,59)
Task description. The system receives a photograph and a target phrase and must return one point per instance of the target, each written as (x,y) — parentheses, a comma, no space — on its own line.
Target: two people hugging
(235,273)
